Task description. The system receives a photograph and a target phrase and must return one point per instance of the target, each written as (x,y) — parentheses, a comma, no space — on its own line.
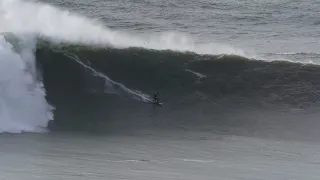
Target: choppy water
(74,157)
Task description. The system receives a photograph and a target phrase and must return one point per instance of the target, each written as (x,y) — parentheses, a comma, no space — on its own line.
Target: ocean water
(66,156)
(239,82)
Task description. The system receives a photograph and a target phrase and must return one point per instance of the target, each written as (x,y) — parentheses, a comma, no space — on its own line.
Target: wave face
(84,85)
(97,77)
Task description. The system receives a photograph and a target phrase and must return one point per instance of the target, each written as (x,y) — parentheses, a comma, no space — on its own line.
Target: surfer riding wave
(156,98)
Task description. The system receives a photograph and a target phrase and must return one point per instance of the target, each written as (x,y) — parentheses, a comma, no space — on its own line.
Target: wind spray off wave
(59,26)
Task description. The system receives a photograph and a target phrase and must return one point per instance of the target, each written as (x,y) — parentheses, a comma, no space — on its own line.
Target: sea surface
(239,82)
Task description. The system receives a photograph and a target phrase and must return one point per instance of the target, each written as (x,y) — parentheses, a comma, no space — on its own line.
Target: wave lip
(61,26)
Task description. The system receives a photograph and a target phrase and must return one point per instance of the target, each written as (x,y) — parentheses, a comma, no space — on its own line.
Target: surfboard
(157,103)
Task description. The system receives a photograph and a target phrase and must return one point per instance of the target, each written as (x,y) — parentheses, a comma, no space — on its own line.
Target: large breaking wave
(93,75)
(110,89)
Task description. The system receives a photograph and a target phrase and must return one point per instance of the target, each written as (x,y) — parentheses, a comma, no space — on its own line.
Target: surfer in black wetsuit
(156,97)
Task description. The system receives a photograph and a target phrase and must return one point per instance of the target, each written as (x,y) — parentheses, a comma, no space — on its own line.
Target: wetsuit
(156,98)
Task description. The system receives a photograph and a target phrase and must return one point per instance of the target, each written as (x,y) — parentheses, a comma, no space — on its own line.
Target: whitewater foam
(58,26)
(23,107)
